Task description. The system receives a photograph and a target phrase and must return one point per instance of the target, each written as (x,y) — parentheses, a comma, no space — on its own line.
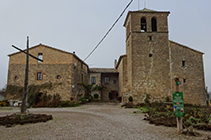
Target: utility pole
(25,92)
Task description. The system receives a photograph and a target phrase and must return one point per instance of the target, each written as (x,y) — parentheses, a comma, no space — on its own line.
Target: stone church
(150,66)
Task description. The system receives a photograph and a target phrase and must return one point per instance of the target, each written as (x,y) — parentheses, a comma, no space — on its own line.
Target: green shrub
(130,99)
(90,97)
(33,98)
(168,99)
(44,97)
(146,100)
(49,97)
(96,96)
(11,90)
(56,97)
(82,99)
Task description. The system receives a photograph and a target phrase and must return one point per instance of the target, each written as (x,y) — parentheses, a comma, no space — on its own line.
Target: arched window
(154,25)
(143,25)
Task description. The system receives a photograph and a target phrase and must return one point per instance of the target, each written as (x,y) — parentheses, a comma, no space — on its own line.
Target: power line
(109,29)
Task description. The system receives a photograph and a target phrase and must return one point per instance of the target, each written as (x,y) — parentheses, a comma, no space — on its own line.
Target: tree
(89,88)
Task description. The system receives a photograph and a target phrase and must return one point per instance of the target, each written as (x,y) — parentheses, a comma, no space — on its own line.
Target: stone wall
(79,74)
(98,82)
(147,56)
(16,76)
(64,70)
(187,65)
(109,87)
(153,62)
(122,69)
(50,56)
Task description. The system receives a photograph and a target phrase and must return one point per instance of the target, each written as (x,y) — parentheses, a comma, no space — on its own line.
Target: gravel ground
(103,121)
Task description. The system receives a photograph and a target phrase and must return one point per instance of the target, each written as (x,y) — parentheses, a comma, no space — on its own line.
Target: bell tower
(147,49)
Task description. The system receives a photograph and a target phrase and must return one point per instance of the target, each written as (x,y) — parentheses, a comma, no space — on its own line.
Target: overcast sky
(78,25)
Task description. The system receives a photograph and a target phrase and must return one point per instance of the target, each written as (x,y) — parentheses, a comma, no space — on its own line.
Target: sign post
(178,106)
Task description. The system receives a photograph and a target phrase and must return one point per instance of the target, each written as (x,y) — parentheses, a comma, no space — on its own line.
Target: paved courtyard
(94,121)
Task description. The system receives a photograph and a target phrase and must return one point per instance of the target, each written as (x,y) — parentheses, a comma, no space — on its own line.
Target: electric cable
(109,30)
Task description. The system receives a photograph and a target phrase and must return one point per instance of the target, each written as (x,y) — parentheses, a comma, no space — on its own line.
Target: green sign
(178,104)
(178,83)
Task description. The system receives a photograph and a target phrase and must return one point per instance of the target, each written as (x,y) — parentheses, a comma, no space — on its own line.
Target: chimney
(115,63)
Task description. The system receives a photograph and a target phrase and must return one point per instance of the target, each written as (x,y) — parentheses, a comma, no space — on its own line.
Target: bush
(49,97)
(33,98)
(56,97)
(83,99)
(44,97)
(4,103)
(146,100)
(168,99)
(90,98)
(130,99)
(96,96)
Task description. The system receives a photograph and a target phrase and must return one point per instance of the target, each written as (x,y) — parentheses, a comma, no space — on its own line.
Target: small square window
(40,56)
(58,77)
(149,38)
(39,76)
(114,81)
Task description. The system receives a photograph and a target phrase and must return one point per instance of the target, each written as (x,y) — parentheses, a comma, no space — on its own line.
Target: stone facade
(150,66)
(64,70)
(153,62)
(107,78)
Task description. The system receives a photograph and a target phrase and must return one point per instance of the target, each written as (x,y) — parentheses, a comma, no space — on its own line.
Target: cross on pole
(25,92)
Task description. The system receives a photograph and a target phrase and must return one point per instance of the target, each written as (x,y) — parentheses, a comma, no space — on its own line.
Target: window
(81,65)
(39,76)
(16,77)
(40,56)
(106,80)
(183,63)
(58,77)
(143,25)
(149,38)
(154,25)
(150,55)
(93,80)
(114,81)
(184,81)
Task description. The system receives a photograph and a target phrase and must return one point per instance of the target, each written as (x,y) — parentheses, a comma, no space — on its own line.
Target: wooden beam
(26,53)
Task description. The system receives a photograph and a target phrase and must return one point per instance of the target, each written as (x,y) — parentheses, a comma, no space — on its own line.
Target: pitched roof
(50,48)
(103,70)
(147,10)
(120,58)
(39,46)
(185,47)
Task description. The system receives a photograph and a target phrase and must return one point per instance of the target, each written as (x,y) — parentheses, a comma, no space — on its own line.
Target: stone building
(62,69)
(150,66)
(107,78)
(153,62)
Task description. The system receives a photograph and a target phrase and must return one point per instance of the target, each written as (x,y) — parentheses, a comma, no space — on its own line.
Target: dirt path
(92,121)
